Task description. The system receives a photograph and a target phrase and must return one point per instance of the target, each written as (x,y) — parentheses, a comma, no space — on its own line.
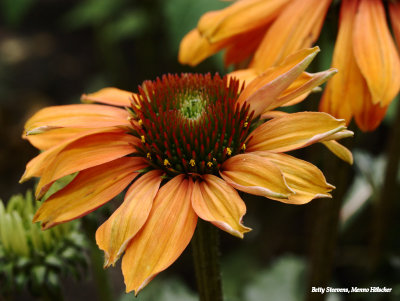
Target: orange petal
(114,235)
(37,165)
(256,175)
(273,114)
(83,153)
(239,17)
(375,52)
(89,190)
(339,150)
(394,9)
(110,96)
(194,48)
(293,131)
(215,201)
(167,232)
(297,27)
(51,138)
(76,116)
(245,76)
(346,86)
(264,91)
(305,179)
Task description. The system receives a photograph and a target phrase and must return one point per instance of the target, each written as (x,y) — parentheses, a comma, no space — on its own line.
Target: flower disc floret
(190,123)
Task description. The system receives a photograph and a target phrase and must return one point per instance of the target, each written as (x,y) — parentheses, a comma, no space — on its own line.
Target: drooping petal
(194,48)
(167,232)
(264,91)
(89,190)
(293,131)
(273,114)
(215,201)
(346,86)
(83,153)
(37,165)
(394,9)
(307,181)
(245,76)
(339,150)
(76,116)
(110,96)
(256,175)
(375,52)
(240,17)
(297,27)
(114,235)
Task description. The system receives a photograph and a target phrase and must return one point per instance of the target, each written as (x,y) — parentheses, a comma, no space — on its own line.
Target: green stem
(384,207)
(205,246)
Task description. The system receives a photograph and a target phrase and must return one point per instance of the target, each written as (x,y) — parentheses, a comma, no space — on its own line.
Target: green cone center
(192,107)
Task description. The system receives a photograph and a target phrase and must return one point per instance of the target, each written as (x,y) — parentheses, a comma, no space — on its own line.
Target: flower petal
(264,91)
(37,165)
(394,9)
(83,153)
(256,175)
(110,96)
(194,48)
(76,116)
(114,235)
(307,181)
(89,190)
(346,86)
(297,27)
(240,17)
(339,150)
(375,52)
(293,131)
(167,232)
(215,201)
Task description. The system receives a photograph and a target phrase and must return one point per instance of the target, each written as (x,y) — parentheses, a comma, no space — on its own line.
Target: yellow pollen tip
(148,156)
(143,139)
(209,164)
(166,163)
(244,147)
(228,151)
(245,124)
(140,122)
(192,162)
(138,107)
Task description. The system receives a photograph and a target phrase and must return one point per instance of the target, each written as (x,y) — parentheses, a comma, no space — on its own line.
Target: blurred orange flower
(264,32)
(183,145)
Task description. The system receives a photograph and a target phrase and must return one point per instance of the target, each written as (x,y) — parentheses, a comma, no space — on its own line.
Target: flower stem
(384,207)
(205,246)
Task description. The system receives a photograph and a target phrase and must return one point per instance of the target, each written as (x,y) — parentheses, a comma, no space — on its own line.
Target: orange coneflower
(183,145)
(266,31)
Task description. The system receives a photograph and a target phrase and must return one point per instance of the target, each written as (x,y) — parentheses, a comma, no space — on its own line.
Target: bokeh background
(53,51)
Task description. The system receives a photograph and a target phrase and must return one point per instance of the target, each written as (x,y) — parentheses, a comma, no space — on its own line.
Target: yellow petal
(297,27)
(76,116)
(194,48)
(83,153)
(305,179)
(293,131)
(110,96)
(37,165)
(264,91)
(256,175)
(89,190)
(339,150)
(394,9)
(239,17)
(346,86)
(375,52)
(215,201)
(167,232)
(114,235)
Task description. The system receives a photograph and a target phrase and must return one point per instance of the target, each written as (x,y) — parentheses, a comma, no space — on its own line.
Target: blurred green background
(53,51)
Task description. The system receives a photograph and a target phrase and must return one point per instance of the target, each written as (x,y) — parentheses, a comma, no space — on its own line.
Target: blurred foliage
(13,11)
(34,259)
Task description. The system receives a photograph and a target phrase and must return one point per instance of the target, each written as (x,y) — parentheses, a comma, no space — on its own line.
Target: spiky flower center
(190,123)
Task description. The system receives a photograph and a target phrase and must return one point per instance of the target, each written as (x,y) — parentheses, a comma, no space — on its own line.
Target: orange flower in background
(182,147)
(266,31)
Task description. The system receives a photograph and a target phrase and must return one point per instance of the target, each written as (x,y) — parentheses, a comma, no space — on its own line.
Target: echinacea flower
(266,31)
(182,146)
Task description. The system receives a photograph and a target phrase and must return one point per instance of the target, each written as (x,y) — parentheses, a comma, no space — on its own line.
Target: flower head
(183,146)
(268,31)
